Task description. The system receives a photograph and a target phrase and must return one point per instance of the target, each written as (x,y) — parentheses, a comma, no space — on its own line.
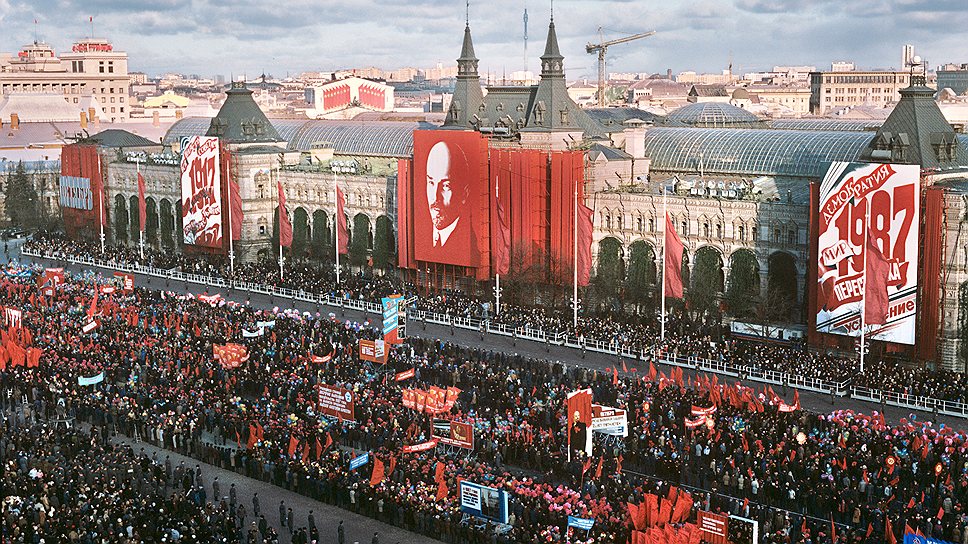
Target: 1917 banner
(865,204)
(201,192)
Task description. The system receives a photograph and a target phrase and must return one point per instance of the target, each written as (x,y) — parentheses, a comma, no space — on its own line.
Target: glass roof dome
(713,115)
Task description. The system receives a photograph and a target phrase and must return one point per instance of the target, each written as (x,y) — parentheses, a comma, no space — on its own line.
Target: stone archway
(152,221)
(120,218)
(610,270)
(640,283)
(361,240)
(384,245)
(706,283)
(300,231)
(322,244)
(134,221)
(743,284)
(781,286)
(167,223)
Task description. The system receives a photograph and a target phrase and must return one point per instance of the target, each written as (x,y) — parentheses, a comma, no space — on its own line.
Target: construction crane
(601,48)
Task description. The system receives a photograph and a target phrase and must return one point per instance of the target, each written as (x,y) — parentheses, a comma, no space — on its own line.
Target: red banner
(201,192)
(374,351)
(125,280)
(714,527)
(336,402)
(405,375)
(81,190)
(429,445)
(453,433)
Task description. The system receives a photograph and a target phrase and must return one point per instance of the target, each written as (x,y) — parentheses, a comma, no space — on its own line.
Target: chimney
(179,114)
(83,119)
(668,73)
(91,114)
(155,119)
(14,121)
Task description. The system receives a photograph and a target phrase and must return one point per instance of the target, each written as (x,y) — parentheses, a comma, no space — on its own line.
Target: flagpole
(101,204)
(574,260)
(497,276)
(141,244)
(231,232)
(665,224)
(280,212)
(336,226)
(863,300)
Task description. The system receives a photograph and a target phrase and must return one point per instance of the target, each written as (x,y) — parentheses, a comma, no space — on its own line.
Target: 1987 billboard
(446,185)
(201,192)
(865,204)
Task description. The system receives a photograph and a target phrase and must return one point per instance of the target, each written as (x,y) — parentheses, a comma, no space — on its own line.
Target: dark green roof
(240,121)
(121,138)
(917,132)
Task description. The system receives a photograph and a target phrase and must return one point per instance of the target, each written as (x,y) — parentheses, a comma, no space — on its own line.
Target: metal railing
(743,372)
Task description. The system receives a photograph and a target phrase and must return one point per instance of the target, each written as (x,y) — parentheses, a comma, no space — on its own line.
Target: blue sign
(359,461)
(581,523)
(912,538)
(484,502)
(391,311)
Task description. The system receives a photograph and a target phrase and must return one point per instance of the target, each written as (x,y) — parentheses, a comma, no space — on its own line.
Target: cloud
(212,37)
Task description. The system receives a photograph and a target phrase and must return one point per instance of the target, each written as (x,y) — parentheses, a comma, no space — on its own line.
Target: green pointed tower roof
(917,132)
(240,121)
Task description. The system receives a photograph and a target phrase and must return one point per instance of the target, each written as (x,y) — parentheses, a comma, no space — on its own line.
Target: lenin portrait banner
(861,206)
(449,181)
(201,192)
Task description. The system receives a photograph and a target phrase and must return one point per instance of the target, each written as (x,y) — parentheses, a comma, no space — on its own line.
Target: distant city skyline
(249,37)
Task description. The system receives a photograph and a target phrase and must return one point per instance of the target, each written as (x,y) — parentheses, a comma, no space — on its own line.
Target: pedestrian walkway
(358,529)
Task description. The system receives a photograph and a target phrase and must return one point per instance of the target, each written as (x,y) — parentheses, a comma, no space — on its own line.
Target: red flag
(652,372)
(833,529)
(342,231)
(910,503)
(876,303)
(319,449)
(673,261)
(889,531)
(502,242)
(439,472)
(33,357)
(235,205)
(293,444)
(377,475)
(329,440)
(142,207)
(624,368)
(285,226)
(585,233)
(92,311)
(634,514)
(305,453)
(598,471)
(441,490)
(587,465)
(940,510)
(870,529)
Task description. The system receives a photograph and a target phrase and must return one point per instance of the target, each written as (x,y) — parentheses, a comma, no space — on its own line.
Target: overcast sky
(251,36)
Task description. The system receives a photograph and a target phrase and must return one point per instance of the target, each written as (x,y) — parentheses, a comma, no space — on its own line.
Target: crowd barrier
(745,372)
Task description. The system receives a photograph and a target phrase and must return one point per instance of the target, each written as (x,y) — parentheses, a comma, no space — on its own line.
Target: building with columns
(738,188)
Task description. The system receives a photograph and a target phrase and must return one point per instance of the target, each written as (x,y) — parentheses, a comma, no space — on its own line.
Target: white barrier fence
(745,372)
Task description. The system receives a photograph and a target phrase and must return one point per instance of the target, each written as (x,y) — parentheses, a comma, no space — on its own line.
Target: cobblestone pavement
(359,529)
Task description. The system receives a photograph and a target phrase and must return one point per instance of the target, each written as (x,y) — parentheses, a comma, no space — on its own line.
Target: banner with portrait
(579,409)
(449,176)
(453,433)
(861,203)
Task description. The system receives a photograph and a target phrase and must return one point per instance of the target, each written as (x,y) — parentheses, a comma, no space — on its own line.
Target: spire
(551,60)
(467,91)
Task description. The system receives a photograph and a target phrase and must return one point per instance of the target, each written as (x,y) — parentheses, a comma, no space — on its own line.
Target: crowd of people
(847,476)
(631,332)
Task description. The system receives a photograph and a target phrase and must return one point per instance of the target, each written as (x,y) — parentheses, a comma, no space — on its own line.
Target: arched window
(719,231)
(792,237)
(705,230)
(608,221)
(742,232)
(620,221)
(638,224)
(685,228)
(651,224)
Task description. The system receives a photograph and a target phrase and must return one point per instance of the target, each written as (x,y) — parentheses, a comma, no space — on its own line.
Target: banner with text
(861,202)
(201,192)
(336,402)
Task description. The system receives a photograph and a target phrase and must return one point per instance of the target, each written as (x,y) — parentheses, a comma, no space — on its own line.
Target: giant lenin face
(447,187)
